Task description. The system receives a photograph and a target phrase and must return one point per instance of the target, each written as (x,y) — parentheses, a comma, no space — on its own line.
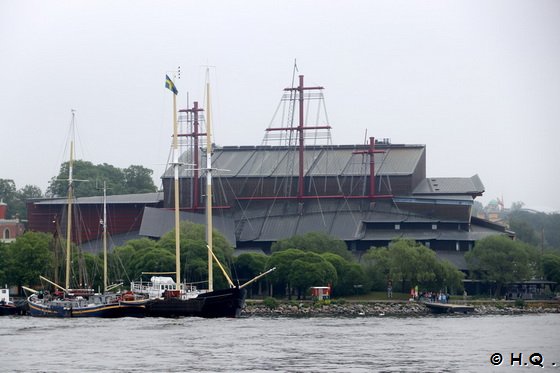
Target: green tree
(309,270)
(23,195)
(138,179)
(134,179)
(154,260)
(282,260)
(123,261)
(194,252)
(524,231)
(315,242)
(551,267)
(8,195)
(350,276)
(31,256)
(297,270)
(502,260)
(411,264)
(248,266)
(16,199)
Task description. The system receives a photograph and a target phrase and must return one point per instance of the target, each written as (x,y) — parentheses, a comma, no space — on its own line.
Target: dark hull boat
(438,308)
(97,306)
(213,304)
(9,307)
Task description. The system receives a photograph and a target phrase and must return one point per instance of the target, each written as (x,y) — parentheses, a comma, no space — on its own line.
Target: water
(255,344)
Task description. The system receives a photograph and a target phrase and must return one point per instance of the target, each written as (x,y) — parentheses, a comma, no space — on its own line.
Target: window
(397,227)
(6,234)
(434,227)
(457,246)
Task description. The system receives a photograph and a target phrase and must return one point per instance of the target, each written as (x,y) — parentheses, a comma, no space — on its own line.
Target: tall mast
(176,197)
(209,187)
(105,237)
(70,197)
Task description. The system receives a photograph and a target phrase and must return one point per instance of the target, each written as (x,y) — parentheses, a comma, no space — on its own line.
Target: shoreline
(388,308)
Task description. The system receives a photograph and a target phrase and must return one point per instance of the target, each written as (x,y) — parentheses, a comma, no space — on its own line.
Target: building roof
(156,222)
(142,198)
(282,161)
(450,186)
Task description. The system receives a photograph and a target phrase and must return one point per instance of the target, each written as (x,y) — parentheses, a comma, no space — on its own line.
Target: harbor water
(260,344)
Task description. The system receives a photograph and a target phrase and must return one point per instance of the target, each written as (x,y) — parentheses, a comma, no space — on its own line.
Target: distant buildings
(10,229)
(366,195)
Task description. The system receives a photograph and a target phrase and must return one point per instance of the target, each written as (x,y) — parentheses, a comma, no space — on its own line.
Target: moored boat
(170,298)
(66,302)
(436,307)
(8,306)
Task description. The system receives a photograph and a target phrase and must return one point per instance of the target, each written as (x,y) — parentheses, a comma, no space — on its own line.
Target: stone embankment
(379,308)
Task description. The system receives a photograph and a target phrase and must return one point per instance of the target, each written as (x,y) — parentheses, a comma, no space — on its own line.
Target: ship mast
(69,204)
(176,195)
(209,187)
(105,283)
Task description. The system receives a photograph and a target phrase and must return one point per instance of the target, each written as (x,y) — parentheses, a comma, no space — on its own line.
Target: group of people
(429,296)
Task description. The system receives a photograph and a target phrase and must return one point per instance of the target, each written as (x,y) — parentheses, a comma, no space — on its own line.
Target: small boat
(8,306)
(436,307)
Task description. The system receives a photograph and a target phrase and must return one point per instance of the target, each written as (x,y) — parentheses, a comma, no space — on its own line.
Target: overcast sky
(477,82)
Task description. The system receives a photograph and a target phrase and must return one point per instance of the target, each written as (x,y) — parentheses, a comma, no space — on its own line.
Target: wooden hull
(70,309)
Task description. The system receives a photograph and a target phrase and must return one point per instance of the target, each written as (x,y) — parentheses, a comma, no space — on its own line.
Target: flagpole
(176,197)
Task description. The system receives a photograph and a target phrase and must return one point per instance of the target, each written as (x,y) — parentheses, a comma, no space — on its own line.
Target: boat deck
(436,307)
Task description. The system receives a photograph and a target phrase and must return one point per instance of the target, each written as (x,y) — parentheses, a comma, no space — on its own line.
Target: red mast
(371,152)
(300,130)
(195,135)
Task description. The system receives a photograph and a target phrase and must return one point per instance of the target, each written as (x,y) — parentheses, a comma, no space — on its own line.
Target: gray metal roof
(142,198)
(348,220)
(280,161)
(450,185)
(156,222)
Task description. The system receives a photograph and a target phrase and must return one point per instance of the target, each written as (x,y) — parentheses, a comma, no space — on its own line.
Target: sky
(477,82)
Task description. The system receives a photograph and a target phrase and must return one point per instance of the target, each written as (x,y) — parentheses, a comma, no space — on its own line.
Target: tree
(134,179)
(410,263)
(502,260)
(310,270)
(16,199)
(315,242)
(551,267)
(349,275)
(31,256)
(138,179)
(249,265)
(123,261)
(194,252)
(8,195)
(523,231)
(282,260)
(297,270)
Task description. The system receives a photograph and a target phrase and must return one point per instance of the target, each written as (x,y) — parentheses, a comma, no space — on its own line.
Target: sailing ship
(66,302)
(170,298)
